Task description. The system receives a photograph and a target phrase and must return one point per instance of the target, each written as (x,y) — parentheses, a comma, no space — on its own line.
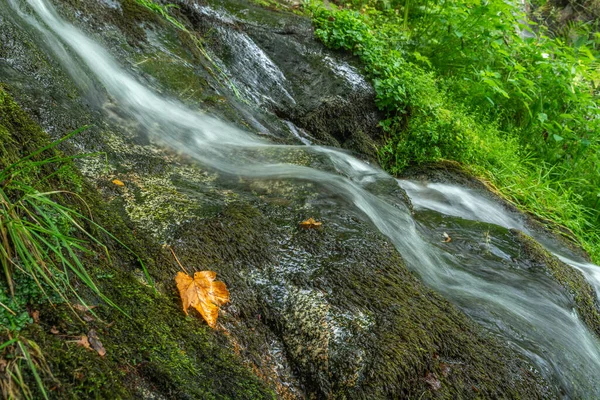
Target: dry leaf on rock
(433,381)
(203,293)
(95,342)
(310,224)
(84,342)
(82,308)
(36,316)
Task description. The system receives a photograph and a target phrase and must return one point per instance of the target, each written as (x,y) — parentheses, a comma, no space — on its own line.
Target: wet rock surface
(318,313)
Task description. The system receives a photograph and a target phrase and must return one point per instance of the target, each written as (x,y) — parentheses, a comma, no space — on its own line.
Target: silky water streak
(531,313)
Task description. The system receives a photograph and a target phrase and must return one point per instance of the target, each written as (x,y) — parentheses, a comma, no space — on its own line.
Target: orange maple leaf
(310,224)
(203,293)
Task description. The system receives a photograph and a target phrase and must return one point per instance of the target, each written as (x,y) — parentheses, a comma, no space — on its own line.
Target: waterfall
(542,324)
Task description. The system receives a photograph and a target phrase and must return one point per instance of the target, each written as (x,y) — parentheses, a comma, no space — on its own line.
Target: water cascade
(528,309)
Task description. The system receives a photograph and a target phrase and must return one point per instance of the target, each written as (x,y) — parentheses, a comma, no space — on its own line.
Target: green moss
(158,349)
(395,331)
(413,333)
(568,277)
(20,135)
(175,75)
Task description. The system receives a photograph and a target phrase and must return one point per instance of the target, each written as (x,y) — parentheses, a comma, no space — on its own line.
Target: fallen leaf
(95,342)
(118,182)
(445,369)
(447,238)
(36,316)
(433,381)
(88,318)
(203,293)
(81,307)
(84,342)
(310,224)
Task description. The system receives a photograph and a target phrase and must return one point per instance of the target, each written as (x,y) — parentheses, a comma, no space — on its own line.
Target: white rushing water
(532,314)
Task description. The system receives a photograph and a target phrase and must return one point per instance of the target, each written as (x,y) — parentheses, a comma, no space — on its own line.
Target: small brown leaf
(118,182)
(447,238)
(82,308)
(36,316)
(445,369)
(310,224)
(203,293)
(95,342)
(433,381)
(84,342)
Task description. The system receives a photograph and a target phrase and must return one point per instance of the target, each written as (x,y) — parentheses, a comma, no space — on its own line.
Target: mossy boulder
(152,348)
(571,279)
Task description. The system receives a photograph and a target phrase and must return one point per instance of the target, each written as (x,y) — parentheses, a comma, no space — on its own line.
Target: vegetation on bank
(478,83)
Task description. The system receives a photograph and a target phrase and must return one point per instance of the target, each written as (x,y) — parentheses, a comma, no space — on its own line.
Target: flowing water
(528,309)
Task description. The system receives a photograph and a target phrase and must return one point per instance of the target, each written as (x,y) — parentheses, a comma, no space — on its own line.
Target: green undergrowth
(457,81)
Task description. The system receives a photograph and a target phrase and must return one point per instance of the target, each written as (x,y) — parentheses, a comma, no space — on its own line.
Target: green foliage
(472,82)
(163,11)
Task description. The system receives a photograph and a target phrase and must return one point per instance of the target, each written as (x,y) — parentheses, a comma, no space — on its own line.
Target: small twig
(177,259)
(8,309)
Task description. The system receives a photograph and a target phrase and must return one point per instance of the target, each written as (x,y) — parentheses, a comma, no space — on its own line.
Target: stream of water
(528,309)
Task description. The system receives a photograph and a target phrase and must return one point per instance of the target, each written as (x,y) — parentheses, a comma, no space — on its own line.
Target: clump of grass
(163,11)
(15,353)
(41,246)
(37,234)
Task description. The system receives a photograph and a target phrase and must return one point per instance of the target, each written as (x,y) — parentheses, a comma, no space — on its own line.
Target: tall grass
(18,352)
(37,234)
(44,242)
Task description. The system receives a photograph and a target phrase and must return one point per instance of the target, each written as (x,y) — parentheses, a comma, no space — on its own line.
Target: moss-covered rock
(314,313)
(571,279)
(152,348)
